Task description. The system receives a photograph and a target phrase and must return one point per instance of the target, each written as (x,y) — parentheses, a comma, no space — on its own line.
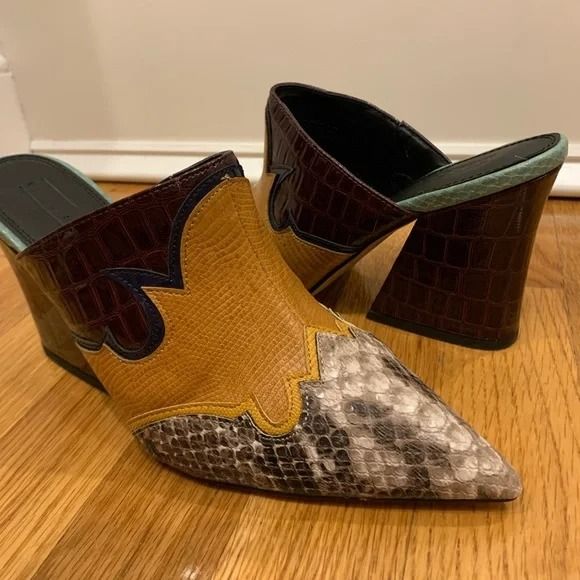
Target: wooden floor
(80,499)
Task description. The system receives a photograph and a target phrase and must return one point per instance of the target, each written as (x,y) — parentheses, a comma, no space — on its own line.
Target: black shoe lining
(382,151)
(387,154)
(38,195)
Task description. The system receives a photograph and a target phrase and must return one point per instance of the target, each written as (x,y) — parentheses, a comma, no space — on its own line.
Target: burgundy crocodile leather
(462,270)
(132,233)
(321,199)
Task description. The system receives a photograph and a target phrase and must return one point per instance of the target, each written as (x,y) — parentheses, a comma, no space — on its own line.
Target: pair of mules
(190,305)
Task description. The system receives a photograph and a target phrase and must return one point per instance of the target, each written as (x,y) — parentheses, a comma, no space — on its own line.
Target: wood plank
(27,374)
(546,266)
(14,306)
(50,462)
(145,521)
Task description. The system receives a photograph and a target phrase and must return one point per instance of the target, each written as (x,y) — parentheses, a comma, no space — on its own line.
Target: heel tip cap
(450,337)
(73,370)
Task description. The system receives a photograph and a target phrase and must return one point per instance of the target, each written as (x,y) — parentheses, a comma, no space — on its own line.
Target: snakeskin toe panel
(369,429)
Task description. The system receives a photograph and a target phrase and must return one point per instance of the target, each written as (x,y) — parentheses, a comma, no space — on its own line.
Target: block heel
(460,276)
(56,338)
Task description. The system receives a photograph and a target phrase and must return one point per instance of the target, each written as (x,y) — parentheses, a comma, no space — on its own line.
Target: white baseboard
(146,161)
(151,161)
(13,131)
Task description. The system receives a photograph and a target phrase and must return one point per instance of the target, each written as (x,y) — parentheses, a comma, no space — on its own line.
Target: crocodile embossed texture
(462,270)
(369,429)
(237,324)
(132,233)
(54,333)
(320,199)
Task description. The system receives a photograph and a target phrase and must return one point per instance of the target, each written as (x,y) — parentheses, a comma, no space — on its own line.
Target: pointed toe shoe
(177,303)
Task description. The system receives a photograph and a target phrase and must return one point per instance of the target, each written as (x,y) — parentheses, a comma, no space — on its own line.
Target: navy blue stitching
(134,279)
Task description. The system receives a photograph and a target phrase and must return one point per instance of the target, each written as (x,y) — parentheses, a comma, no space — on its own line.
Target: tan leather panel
(261,191)
(238,338)
(309,262)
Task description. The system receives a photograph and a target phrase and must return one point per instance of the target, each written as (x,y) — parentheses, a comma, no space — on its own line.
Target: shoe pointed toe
(403,440)
(369,429)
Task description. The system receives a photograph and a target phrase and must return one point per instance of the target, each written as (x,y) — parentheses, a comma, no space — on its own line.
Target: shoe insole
(38,195)
(485,174)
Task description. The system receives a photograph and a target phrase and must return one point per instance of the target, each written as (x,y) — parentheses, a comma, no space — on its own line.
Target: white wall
(13,131)
(151,78)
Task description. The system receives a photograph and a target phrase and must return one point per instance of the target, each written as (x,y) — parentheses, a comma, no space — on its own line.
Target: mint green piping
(490,183)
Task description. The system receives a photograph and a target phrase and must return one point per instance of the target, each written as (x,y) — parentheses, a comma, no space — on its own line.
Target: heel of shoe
(56,338)
(460,276)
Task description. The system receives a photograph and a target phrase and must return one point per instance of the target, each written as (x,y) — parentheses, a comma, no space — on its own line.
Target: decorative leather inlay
(369,428)
(462,270)
(319,199)
(215,357)
(70,265)
(308,261)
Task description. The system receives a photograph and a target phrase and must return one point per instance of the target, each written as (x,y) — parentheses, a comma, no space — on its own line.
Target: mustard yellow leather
(309,262)
(239,337)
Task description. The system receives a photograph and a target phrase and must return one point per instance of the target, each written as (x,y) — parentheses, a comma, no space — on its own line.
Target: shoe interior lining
(38,195)
(380,150)
(399,163)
